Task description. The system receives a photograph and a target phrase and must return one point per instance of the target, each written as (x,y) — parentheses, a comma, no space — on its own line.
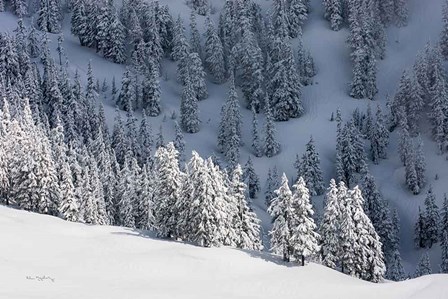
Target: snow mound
(46,257)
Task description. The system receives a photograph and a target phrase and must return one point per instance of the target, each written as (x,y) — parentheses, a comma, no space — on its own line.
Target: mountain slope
(112,262)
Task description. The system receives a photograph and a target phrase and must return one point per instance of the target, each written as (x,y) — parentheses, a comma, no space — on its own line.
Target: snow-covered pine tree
(350,156)
(444,35)
(373,257)
(431,219)
(181,48)
(195,39)
(444,246)
(395,270)
(419,230)
(334,13)
(444,216)
(348,237)
(271,145)
(151,90)
(197,76)
(304,236)
(297,15)
(411,173)
(305,65)
(214,53)
(247,59)
(115,38)
(309,169)
(281,210)
(189,110)
(247,223)
(168,183)
(401,12)
(126,195)
(378,212)
(424,266)
(49,16)
(272,183)
(256,142)
(127,94)
(179,142)
(379,138)
(330,228)
(250,178)
(201,6)
(284,86)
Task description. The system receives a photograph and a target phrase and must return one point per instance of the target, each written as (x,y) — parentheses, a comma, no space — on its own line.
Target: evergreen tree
(168,183)
(195,40)
(282,213)
(419,230)
(334,13)
(330,227)
(189,110)
(401,12)
(431,219)
(304,236)
(271,145)
(248,225)
(350,156)
(272,184)
(151,90)
(444,35)
(251,179)
(256,142)
(424,266)
(214,53)
(309,169)
(444,246)
(179,142)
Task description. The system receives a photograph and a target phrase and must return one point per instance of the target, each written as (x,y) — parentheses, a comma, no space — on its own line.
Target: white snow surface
(329,92)
(46,257)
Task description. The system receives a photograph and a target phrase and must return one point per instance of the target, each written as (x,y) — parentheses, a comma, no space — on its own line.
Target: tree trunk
(303,260)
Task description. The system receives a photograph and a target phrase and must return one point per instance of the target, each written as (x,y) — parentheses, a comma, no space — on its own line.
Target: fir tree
(424,266)
(271,145)
(251,179)
(168,183)
(330,227)
(214,53)
(304,236)
(431,219)
(248,225)
(189,110)
(309,169)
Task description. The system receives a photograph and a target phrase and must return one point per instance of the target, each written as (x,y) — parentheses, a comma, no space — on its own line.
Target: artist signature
(40,278)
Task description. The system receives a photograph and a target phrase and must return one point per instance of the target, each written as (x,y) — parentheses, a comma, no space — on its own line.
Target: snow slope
(45,257)
(328,93)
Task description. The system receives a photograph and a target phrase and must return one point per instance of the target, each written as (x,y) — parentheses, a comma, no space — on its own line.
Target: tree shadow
(263,255)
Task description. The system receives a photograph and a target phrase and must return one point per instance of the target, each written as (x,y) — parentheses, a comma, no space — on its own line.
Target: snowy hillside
(85,260)
(45,257)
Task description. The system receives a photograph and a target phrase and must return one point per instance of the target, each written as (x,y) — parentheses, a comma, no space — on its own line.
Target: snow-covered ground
(46,257)
(328,93)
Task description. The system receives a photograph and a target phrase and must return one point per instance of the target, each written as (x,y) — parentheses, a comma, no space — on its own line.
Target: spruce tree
(189,110)
(282,213)
(424,266)
(250,178)
(431,219)
(168,183)
(330,227)
(309,169)
(214,53)
(248,225)
(271,145)
(304,236)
